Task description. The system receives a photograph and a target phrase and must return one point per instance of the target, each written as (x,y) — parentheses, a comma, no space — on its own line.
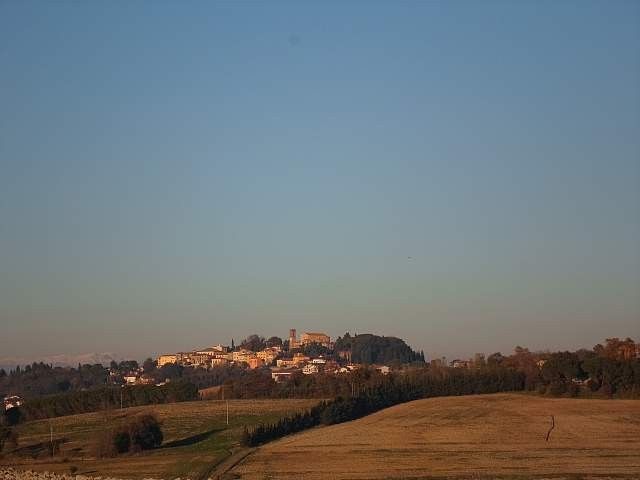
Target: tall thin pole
(227,412)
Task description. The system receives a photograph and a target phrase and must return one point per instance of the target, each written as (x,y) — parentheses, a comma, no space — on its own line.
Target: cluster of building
(131,377)
(476,361)
(207,357)
(222,355)
(284,361)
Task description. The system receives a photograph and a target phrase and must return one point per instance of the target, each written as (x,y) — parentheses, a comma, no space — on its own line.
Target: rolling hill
(482,436)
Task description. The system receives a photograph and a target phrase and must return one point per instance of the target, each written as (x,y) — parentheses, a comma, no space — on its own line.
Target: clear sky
(175,174)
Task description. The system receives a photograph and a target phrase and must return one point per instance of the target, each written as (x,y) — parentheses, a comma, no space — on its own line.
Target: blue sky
(173,175)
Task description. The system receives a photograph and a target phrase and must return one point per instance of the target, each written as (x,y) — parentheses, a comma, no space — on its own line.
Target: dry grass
(484,436)
(196,436)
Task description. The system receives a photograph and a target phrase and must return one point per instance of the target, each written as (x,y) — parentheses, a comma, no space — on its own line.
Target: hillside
(196,438)
(490,436)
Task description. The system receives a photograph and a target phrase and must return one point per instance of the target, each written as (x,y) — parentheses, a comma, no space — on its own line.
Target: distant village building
(209,352)
(457,363)
(12,401)
(298,360)
(255,362)
(347,368)
(146,380)
(217,361)
(242,355)
(293,339)
(166,359)
(282,375)
(285,363)
(314,337)
(310,369)
(216,355)
(268,355)
(197,358)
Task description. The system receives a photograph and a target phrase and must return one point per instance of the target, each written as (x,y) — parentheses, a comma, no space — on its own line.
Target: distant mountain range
(62,360)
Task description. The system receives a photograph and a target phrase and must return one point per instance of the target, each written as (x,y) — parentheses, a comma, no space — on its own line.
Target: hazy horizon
(73,357)
(462,175)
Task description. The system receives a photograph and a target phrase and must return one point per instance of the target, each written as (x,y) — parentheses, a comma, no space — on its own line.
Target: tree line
(106,398)
(386,392)
(43,379)
(609,369)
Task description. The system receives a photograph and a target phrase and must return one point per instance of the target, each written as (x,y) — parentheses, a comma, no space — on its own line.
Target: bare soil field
(479,437)
(195,438)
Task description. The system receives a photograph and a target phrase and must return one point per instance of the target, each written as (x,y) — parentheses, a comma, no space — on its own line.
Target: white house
(310,369)
(12,402)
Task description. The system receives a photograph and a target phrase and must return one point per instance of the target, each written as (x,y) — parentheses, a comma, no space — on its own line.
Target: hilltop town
(312,353)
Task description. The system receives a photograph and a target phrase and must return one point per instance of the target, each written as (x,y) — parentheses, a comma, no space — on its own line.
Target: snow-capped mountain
(61,360)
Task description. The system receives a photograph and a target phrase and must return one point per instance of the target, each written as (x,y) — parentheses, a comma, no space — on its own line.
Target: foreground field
(196,437)
(483,436)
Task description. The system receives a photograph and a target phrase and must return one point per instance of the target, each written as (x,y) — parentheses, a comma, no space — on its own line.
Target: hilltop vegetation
(374,349)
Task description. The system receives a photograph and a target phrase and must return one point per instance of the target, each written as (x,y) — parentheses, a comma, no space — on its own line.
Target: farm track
(221,470)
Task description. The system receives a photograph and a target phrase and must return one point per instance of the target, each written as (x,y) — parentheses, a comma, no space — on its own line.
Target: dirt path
(219,471)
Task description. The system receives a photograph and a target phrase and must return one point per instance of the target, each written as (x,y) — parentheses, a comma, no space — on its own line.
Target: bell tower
(293,340)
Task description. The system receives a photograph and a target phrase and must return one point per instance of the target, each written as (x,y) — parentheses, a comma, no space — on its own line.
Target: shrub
(7,437)
(573,389)
(139,433)
(557,388)
(245,438)
(121,441)
(13,416)
(145,433)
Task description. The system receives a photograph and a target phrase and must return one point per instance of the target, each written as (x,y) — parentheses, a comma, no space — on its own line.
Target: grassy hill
(482,436)
(195,438)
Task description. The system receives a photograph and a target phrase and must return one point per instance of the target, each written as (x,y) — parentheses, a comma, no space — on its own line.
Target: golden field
(482,436)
